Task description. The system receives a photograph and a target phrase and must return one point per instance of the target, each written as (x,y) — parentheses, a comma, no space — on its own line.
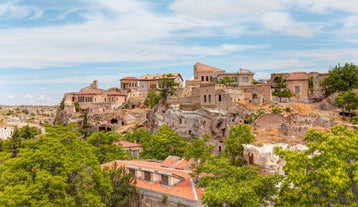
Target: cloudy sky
(48,48)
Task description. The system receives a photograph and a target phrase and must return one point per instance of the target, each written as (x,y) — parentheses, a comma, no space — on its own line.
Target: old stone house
(94,100)
(162,183)
(304,85)
(133,148)
(149,82)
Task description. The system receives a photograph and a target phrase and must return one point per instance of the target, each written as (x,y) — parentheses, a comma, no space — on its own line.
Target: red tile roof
(170,161)
(115,93)
(202,67)
(129,78)
(184,189)
(183,164)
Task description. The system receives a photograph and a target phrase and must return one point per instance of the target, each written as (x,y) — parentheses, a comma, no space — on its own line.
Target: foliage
(254,116)
(281,90)
(15,142)
(346,100)
(77,106)
(163,143)
(167,85)
(151,99)
(86,127)
(123,184)
(235,186)
(138,135)
(198,149)
(164,198)
(238,135)
(355,118)
(106,150)
(255,82)
(310,85)
(324,175)
(275,109)
(226,80)
(341,78)
(57,169)
(62,104)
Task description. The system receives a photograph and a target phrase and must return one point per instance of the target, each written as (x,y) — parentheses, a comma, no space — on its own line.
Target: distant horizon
(48,48)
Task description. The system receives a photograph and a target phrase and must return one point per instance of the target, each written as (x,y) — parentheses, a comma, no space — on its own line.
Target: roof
(126,144)
(115,93)
(199,67)
(159,76)
(184,189)
(129,78)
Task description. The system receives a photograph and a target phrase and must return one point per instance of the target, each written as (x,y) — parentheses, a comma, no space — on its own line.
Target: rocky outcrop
(265,158)
(211,121)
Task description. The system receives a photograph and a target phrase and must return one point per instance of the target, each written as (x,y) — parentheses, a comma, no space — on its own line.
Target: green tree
(235,186)
(324,175)
(138,136)
(106,150)
(226,80)
(86,128)
(238,135)
(341,78)
(151,99)
(199,149)
(281,90)
(15,142)
(163,143)
(167,85)
(347,101)
(57,169)
(123,184)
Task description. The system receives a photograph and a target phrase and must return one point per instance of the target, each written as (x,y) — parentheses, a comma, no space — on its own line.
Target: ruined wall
(295,125)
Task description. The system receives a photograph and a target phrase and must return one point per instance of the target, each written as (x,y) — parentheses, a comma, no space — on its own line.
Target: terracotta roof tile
(202,67)
(184,189)
(183,164)
(129,78)
(170,161)
(115,93)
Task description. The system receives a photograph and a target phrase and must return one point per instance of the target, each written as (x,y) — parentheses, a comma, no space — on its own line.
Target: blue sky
(48,48)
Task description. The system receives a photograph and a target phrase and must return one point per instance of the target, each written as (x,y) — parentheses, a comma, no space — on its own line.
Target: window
(146,176)
(219,98)
(202,78)
(245,79)
(297,89)
(180,121)
(209,97)
(164,180)
(207,78)
(204,98)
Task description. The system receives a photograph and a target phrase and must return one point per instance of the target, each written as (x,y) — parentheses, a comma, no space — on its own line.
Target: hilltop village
(278,111)
(204,105)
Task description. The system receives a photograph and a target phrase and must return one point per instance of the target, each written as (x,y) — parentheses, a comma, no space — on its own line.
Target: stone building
(94,99)
(304,85)
(133,148)
(149,82)
(129,83)
(162,183)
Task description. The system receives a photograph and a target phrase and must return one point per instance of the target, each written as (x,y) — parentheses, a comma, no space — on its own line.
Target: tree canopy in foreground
(324,175)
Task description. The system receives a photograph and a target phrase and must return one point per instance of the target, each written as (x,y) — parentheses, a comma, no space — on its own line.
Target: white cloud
(11,96)
(29,96)
(12,11)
